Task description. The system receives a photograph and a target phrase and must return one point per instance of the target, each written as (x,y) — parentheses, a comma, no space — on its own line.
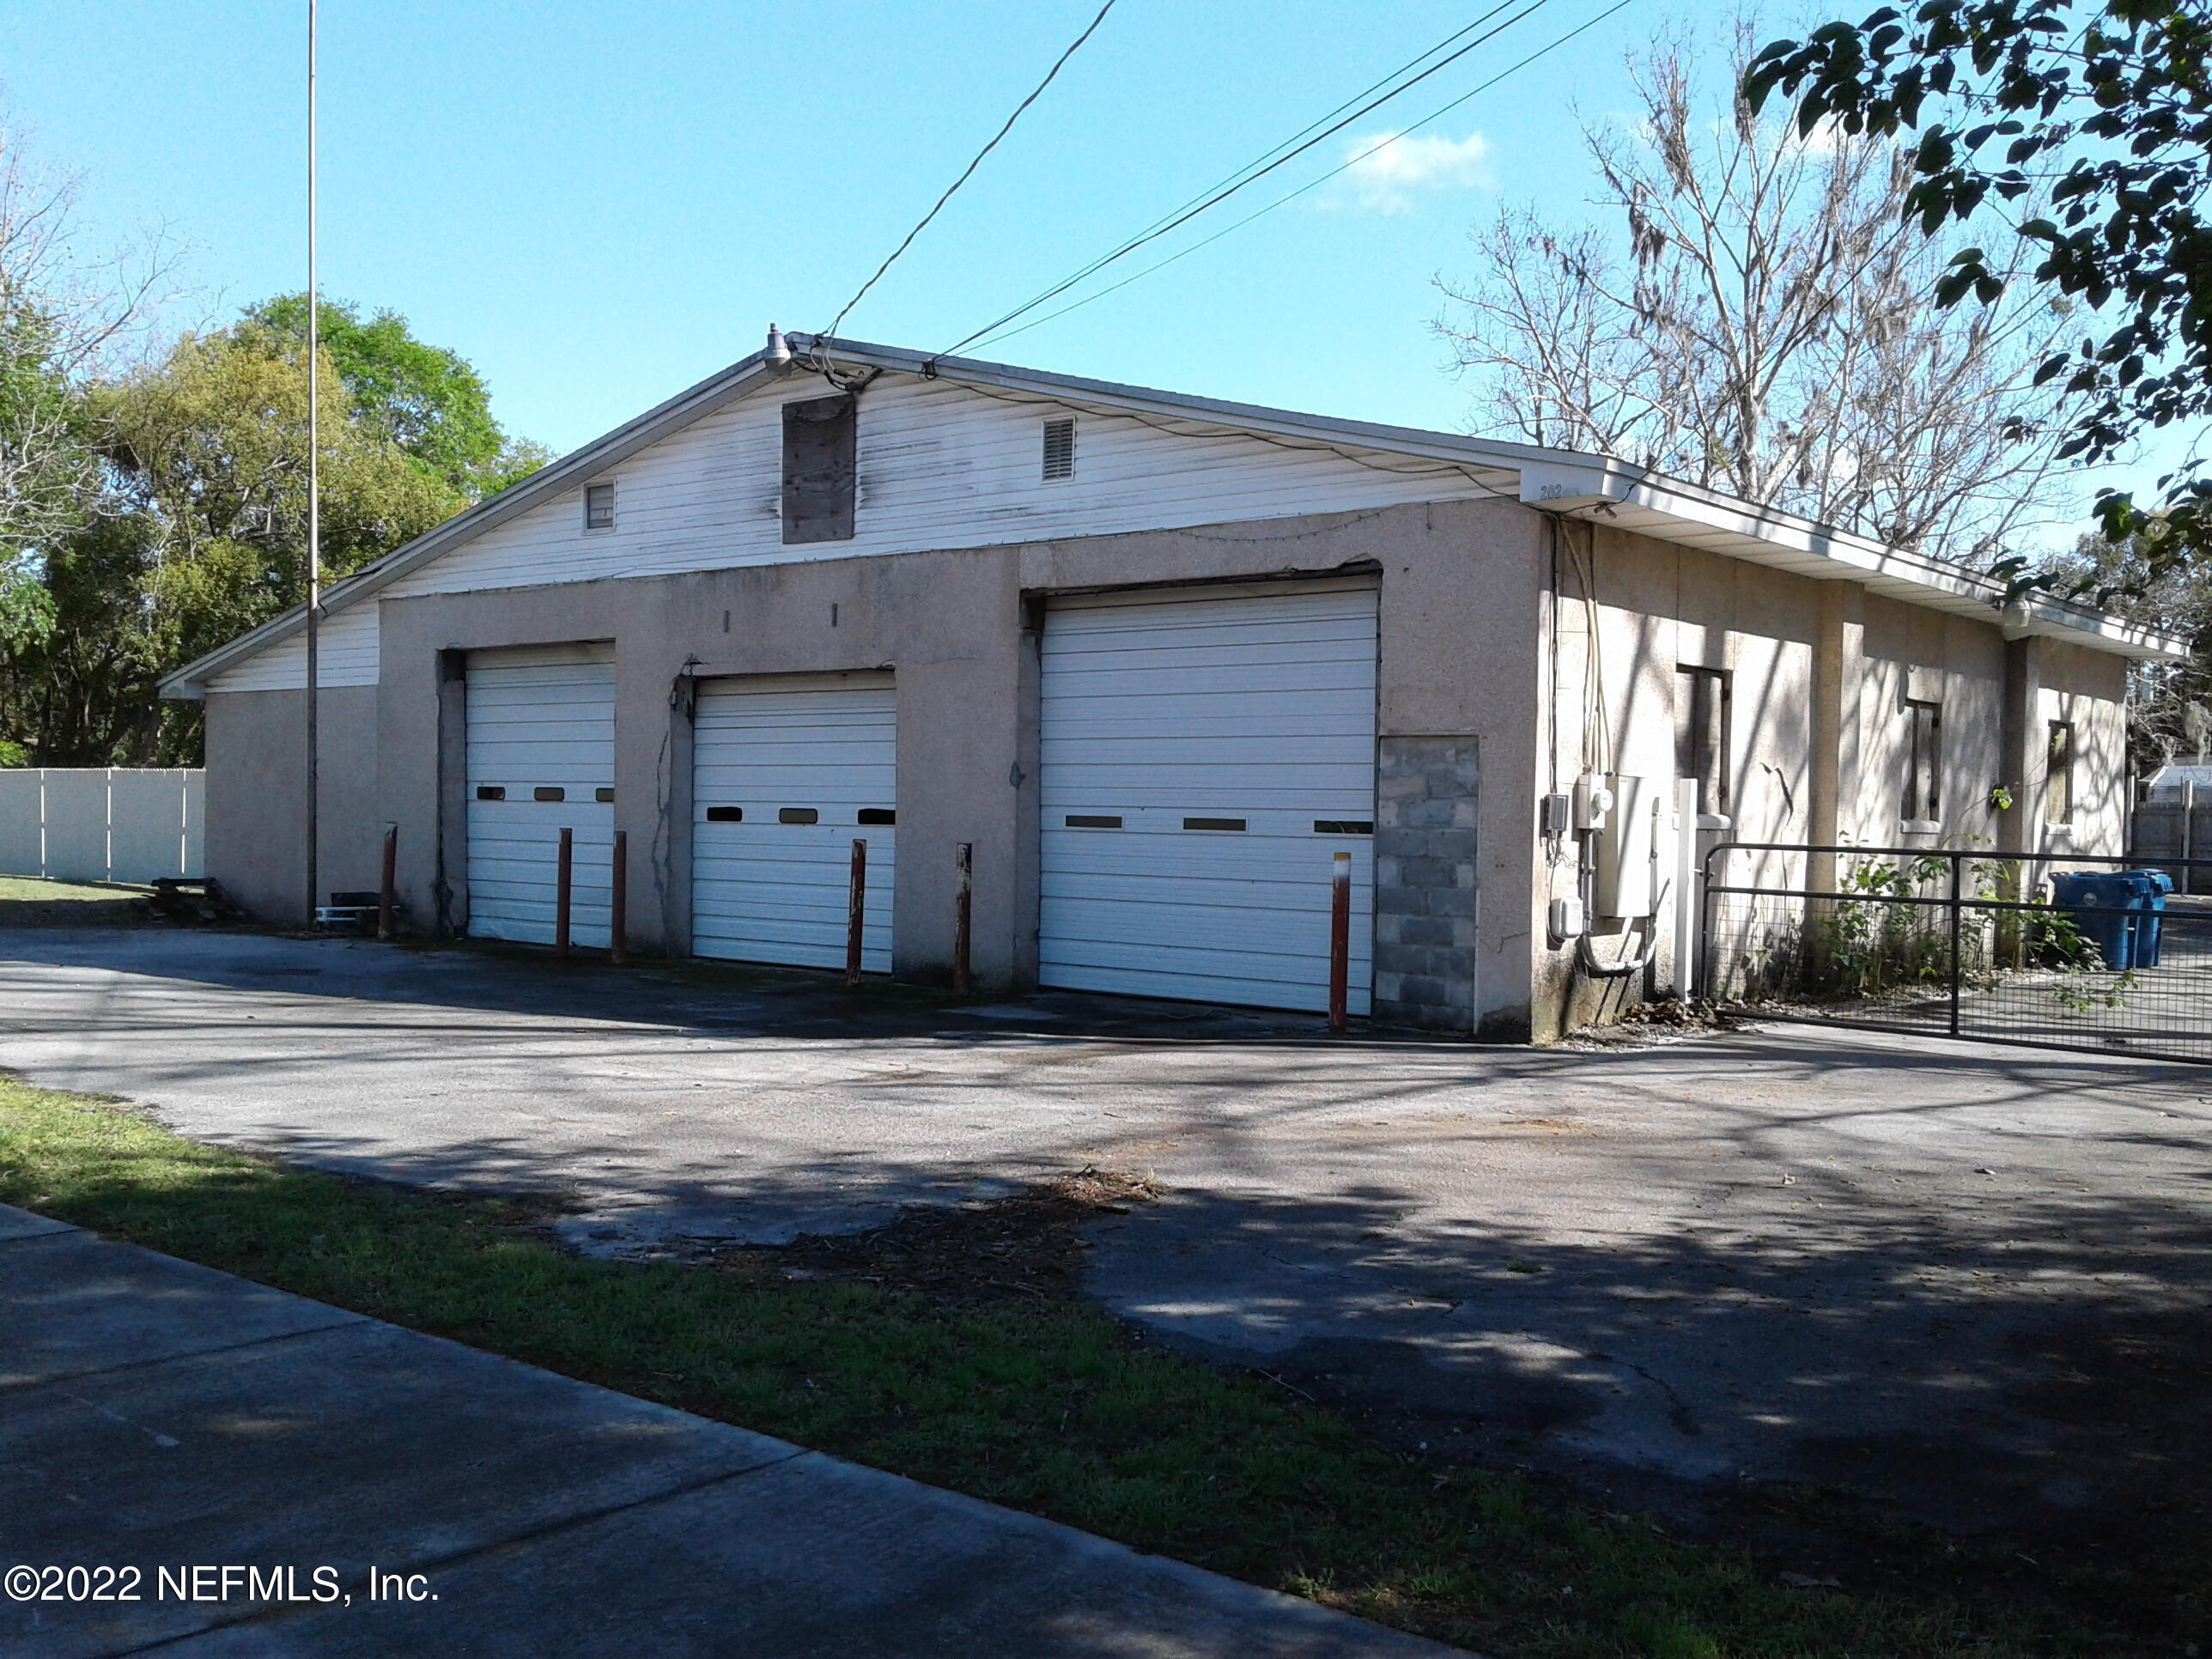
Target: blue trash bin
(2118,911)
(2154,885)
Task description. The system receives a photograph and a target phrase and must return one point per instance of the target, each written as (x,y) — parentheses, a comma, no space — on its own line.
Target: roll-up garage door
(1206,752)
(787,771)
(541,759)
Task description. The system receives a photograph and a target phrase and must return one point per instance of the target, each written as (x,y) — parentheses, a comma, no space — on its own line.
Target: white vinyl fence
(100,824)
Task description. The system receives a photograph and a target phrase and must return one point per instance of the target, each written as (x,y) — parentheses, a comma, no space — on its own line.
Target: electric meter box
(1626,849)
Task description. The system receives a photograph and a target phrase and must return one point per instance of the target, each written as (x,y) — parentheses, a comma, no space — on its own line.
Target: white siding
(346,649)
(1255,709)
(941,465)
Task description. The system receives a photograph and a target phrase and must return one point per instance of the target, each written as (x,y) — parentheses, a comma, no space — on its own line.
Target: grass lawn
(27,902)
(1052,1408)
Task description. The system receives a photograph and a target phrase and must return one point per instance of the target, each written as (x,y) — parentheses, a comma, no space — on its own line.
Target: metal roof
(1559,481)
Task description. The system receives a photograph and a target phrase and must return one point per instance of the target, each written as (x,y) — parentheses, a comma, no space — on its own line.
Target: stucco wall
(2088,688)
(1925,655)
(1820,674)
(1659,608)
(255,789)
(1467,612)
(1460,585)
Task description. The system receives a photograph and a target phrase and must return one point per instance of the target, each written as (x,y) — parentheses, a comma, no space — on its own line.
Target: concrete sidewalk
(154,1415)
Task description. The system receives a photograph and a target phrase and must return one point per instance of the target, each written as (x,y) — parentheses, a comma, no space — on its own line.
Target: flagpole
(314,496)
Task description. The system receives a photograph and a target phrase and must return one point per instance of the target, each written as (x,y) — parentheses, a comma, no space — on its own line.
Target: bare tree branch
(68,313)
(1760,321)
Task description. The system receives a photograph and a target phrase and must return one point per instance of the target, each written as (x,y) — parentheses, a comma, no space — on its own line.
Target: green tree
(426,400)
(2103,108)
(206,453)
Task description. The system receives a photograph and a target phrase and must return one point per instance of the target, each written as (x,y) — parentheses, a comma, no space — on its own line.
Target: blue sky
(598,204)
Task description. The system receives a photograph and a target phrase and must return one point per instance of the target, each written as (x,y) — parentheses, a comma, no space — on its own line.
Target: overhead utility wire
(1266,155)
(1354,161)
(1251,177)
(968,172)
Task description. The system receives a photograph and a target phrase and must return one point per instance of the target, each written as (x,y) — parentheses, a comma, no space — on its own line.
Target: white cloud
(1386,179)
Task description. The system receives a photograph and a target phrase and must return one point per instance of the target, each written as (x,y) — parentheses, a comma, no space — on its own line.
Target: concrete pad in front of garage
(542,1515)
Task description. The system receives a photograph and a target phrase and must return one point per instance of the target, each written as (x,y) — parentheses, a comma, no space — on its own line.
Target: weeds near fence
(1888,930)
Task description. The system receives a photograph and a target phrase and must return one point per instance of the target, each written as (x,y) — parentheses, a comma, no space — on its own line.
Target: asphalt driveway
(1964,1285)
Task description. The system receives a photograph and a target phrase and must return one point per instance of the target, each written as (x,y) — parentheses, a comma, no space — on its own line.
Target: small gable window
(598,507)
(1060,448)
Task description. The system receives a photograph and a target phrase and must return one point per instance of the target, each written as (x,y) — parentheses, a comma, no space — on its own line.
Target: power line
(1405,68)
(966,173)
(1250,176)
(1323,179)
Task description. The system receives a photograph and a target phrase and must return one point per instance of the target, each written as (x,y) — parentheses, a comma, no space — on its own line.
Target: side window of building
(598,507)
(820,451)
(1701,736)
(1923,761)
(2059,775)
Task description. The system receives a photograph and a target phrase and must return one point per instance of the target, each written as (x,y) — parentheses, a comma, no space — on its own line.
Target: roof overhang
(1632,498)
(570,472)
(1556,480)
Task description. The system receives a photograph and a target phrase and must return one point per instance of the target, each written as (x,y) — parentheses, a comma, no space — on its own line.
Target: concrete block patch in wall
(1427,796)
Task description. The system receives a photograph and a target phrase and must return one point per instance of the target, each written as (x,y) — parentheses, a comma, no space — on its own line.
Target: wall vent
(820,456)
(1060,448)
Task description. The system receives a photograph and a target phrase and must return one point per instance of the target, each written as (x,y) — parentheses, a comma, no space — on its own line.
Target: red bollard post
(854,910)
(386,895)
(619,901)
(962,900)
(564,871)
(1339,945)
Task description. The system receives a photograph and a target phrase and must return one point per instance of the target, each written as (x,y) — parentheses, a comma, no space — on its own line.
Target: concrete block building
(1156,659)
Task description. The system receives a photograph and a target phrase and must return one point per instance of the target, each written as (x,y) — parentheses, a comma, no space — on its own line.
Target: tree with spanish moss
(1751,315)
(2084,128)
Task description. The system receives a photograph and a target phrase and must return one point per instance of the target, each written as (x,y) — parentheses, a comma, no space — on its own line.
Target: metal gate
(2054,950)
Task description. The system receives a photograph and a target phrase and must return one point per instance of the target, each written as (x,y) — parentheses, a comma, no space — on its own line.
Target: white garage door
(541,759)
(787,772)
(1205,754)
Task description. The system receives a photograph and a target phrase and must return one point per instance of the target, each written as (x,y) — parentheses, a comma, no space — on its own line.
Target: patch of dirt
(1650,1024)
(1027,1248)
